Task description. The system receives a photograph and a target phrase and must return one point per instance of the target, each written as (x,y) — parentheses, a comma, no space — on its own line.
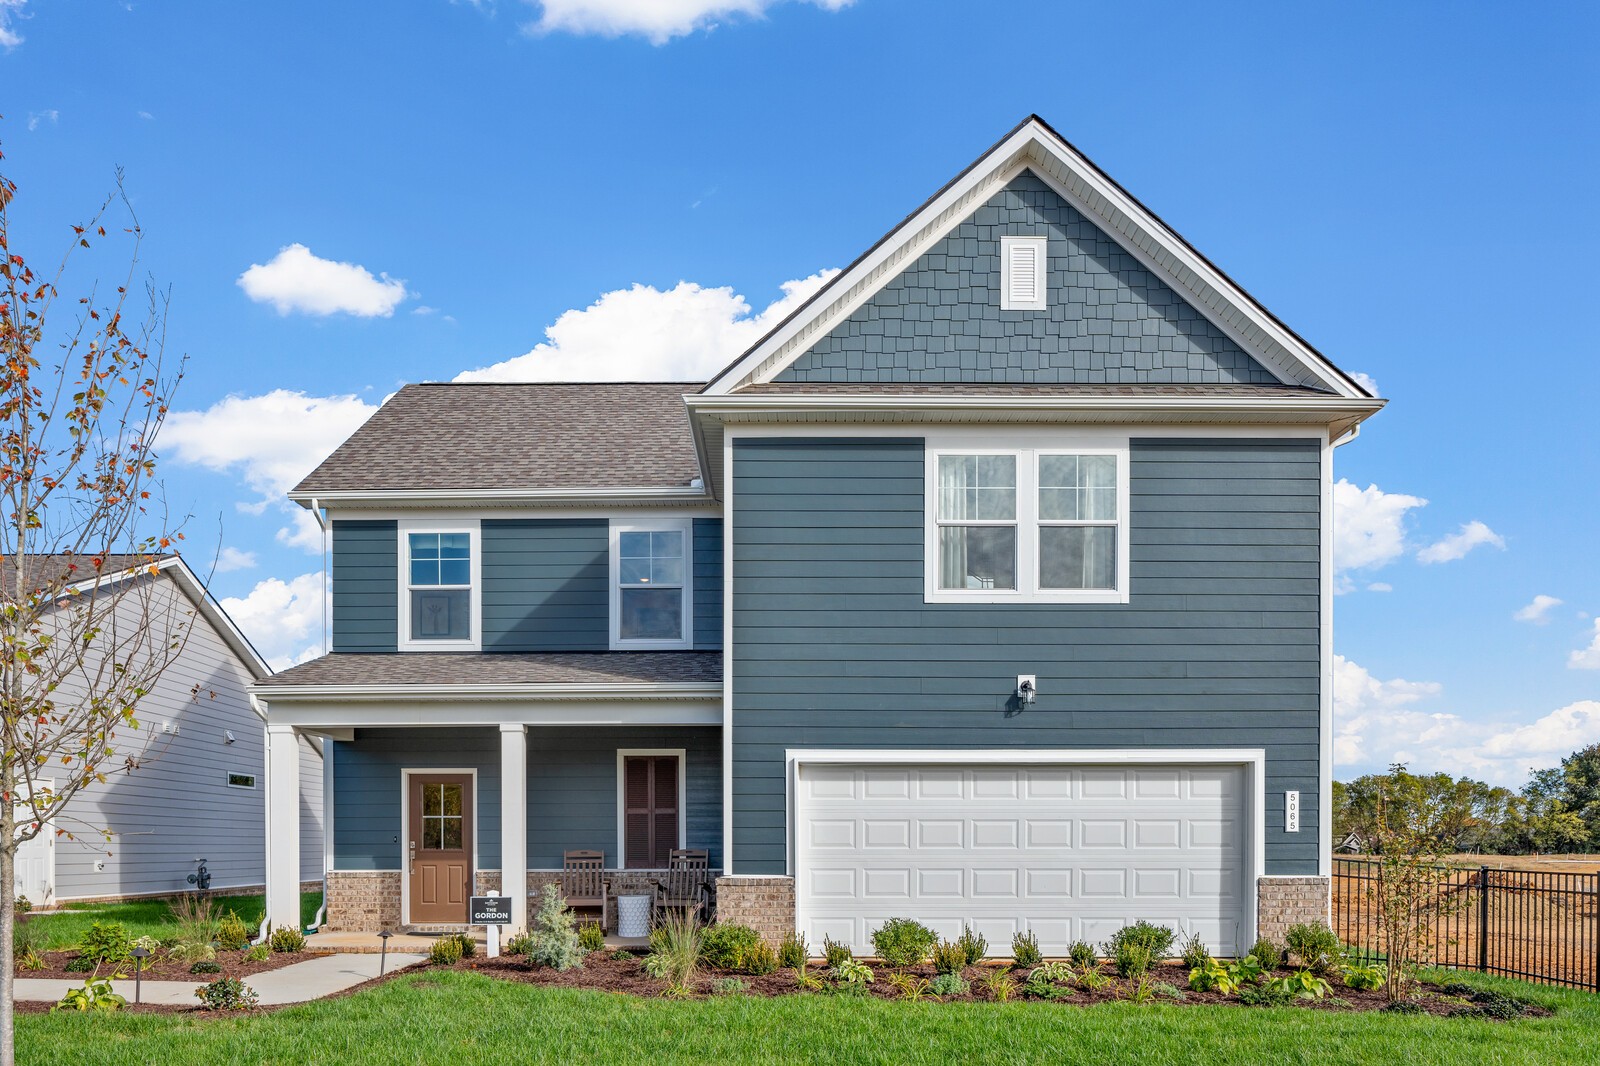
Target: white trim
(481,513)
(531,692)
(1253,760)
(727,655)
(406,773)
(1009,301)
(473,528)
(432,498)
(514,820)
(1325,654)
(1027,447)
(1035,147)
(323,715)
(622,801)
(682,526)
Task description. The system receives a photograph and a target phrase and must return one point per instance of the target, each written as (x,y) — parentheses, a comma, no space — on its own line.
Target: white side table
(633,916)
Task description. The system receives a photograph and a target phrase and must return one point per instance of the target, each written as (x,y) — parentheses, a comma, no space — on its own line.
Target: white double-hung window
(439,568)
(1045,523)
(651,590)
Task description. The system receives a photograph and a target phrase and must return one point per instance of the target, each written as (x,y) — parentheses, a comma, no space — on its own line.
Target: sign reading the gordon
(489,910)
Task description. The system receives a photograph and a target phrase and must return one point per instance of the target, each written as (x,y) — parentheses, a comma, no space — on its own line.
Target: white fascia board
(431,498)
(333,715)
(1035,147)
(1028,756)
(679,690)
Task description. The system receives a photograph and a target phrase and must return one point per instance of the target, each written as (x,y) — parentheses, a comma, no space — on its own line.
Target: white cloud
(1551,738)
(1369,525)
(146,115)
(39,118)
(1363,706)
(271,441)
(1587,658)
(1380,586)
(233,559)
(657,20)
(1537,612)
(1471,535)
(686,333)
(11,10)
(283,620)
(297,280)
(1367,382)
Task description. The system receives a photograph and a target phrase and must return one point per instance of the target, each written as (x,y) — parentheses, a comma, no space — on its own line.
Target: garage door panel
(1067,852)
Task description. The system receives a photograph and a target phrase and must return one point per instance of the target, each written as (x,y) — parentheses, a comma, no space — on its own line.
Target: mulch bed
(161,968)
(602,972)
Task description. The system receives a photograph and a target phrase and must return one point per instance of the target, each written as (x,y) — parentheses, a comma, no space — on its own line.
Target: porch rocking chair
(685,887)
(583,881)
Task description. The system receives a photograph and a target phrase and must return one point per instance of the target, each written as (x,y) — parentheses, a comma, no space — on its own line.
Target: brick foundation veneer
(1285,901)
(766,904)
(366,901)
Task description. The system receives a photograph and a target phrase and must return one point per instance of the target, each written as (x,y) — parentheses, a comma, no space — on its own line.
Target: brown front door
(440,848)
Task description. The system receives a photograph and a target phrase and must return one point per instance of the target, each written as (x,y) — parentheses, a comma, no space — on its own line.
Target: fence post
(1483,919)
(1596,946)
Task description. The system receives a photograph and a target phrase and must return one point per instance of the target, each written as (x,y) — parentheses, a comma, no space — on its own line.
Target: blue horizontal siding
(707,584)
(834,647)
(366,607)
(546,584)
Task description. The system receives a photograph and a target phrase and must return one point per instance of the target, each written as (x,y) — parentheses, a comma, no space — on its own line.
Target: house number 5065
(1291,812)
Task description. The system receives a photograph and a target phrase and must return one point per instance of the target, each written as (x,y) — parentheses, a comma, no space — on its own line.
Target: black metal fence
(1537,925)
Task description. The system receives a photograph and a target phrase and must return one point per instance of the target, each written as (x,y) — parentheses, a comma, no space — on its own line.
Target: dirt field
(1540,920)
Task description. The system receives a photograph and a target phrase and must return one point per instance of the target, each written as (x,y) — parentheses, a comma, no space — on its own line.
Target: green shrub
(1213,976)
(520,944)
(1195,952)
(1364,978)
(852,974)
(1404,1006)
(1268,954)
(999,984)
(903,942)
(1082,953)
(759,959)
(792,951)
(30,960)
(835,953)
(724,945)
(1156,940)
(232,933)
(730,985)
(1057,973)
(949,956)
(287,941)
(95,995)
(622,955)
(1315,945)
(446,951)
(1025,949)
(191,951)
(555,938)
(258,953)
(949,984)
(1271,994)
(226,993)
(23,905)
(975,944)
(106,942)
(469,947)
(1131,959)
(205,966)
(1043,983)
(1091,979)
(1302,984)
(591,937)
(82,964)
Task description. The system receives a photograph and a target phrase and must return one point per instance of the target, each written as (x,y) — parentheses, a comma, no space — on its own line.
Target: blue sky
(1411,191)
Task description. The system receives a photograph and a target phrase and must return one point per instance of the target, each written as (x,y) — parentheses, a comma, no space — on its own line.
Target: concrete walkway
(303,981)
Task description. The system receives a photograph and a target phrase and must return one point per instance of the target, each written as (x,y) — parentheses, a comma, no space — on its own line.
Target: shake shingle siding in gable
(366,585)
(545,584)
(1108,318)
(835,648)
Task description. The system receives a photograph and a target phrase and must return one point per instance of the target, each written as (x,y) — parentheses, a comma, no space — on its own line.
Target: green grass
(145,917)
(444,1016)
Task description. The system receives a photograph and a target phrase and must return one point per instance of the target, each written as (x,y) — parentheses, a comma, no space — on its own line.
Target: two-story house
(992,587)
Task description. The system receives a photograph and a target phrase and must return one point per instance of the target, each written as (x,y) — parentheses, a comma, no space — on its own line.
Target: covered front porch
(437,794)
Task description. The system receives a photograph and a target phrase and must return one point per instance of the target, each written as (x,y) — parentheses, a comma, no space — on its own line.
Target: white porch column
(283,827)
(514,821)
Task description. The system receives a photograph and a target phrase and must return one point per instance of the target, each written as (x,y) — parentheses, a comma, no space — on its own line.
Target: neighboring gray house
(992,587)
(199,790)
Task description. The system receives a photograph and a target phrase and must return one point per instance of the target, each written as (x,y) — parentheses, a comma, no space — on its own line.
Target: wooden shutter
(650,810)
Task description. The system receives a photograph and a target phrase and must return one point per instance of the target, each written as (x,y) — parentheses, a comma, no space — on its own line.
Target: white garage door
(1069,852)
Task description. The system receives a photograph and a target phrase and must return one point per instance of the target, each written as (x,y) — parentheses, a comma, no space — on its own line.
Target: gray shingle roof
(593,435)
(497,668)
(50,572)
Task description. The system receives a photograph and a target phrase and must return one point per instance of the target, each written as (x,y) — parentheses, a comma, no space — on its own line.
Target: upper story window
(651,590)
(443,593)
(1046,524)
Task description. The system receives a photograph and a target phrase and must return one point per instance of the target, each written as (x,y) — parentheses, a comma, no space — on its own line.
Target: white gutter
(676,494)
(1163,405)
(658,691)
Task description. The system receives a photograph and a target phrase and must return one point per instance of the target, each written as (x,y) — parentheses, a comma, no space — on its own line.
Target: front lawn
(454,1016)
(144,917)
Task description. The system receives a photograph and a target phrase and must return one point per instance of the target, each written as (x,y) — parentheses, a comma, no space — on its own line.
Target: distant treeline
(1558,810)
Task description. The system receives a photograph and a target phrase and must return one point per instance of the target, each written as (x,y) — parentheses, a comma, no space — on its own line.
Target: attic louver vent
(1023,273)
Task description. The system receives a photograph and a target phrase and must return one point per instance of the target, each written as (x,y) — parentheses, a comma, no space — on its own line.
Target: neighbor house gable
(1034,148)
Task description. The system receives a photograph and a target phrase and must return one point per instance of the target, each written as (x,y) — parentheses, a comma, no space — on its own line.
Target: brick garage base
(365,901)
(1285,901)
(766,904)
